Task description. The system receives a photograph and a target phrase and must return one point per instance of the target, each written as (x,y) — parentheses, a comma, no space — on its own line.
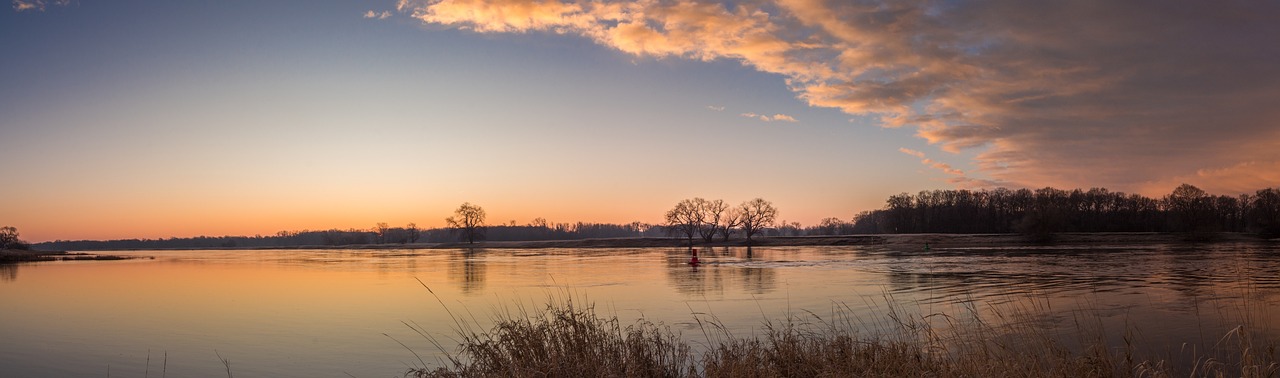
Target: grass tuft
(567,338)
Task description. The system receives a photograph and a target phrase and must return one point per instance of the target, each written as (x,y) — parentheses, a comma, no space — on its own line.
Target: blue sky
(155,119)
(192,118)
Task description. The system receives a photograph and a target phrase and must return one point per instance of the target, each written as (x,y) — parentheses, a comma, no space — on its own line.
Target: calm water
(338,312)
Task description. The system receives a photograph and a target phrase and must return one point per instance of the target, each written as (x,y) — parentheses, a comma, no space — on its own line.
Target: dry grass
(564,340)
(569,339)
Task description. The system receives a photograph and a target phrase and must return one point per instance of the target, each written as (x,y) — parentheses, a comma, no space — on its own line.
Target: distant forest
(1039,213)
(380,234)
(1042,212)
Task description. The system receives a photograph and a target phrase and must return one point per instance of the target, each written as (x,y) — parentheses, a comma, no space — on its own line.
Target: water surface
(339,312)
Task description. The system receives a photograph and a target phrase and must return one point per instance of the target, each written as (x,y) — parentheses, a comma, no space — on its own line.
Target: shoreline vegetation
(898,242)
(568,338)
(17,255)
(1041,216)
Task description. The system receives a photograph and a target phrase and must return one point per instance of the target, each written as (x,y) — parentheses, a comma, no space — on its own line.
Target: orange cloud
(770,118)
(36,5)
(911,152)
(1241,178)
(1075,94)
(944,167)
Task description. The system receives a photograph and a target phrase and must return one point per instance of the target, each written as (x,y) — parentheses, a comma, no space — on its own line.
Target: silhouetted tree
(730,222)
(468,220)
(831,226)
(711,214)
(348,237)
(869,222)
(381,230)
(9,238)
(685,218)
(1264,213)
(414,233)
(790,228)
(1190,211)
(755,215)
(1046,215)
(1046,211)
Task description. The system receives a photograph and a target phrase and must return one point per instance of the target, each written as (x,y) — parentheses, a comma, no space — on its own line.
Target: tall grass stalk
(568,338)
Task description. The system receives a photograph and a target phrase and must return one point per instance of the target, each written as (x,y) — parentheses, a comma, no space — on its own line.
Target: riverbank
(905,242)
(897,242)
(16,255)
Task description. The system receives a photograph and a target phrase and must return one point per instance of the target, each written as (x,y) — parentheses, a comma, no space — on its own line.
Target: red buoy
(694,261)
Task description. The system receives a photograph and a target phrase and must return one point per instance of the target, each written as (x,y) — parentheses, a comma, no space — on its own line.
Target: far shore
(18,255)
(898,242)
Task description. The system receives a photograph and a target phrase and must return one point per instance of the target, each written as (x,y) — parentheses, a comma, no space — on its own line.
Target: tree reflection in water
(721,268)
(467,269)
(8,272)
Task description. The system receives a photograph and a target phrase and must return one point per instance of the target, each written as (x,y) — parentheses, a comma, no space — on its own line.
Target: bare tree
(381,229)
(684,219)
(711,214)
(414,233)
(9,237)
(468,220)
(832,226)
(755,215)
(731,220)
(1191,211)
(1264,213)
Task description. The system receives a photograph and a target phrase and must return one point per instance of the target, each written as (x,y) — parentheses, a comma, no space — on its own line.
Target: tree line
(1043,212)
(1039,213)
(467,224)
(709,219)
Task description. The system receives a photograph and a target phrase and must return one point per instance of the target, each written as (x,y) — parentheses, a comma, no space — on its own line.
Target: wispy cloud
(911,152)
(770,118)
(944,167)
(378,15)
(1083,93)
(784,118)
(716,108)
(36,5)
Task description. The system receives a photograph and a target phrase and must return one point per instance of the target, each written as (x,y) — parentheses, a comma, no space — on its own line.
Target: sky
(152,119)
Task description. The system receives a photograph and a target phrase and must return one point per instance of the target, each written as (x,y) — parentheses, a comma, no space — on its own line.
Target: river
(310,313)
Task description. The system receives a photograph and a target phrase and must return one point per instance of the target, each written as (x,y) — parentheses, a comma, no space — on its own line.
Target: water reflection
(8,272)
(987,272)
(467,269)
(329,310)
(721,269)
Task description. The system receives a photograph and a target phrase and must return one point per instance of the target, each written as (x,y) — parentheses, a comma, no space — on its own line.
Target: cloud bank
(36,5)
(1129,95)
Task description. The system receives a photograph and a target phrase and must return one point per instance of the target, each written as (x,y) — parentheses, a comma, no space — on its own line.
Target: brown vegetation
(568,339)
(14,256)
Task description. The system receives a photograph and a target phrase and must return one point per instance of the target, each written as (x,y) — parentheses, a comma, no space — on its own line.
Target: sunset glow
(151,120)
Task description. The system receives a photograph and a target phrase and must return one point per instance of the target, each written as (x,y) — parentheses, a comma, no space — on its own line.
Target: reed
(567,337)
